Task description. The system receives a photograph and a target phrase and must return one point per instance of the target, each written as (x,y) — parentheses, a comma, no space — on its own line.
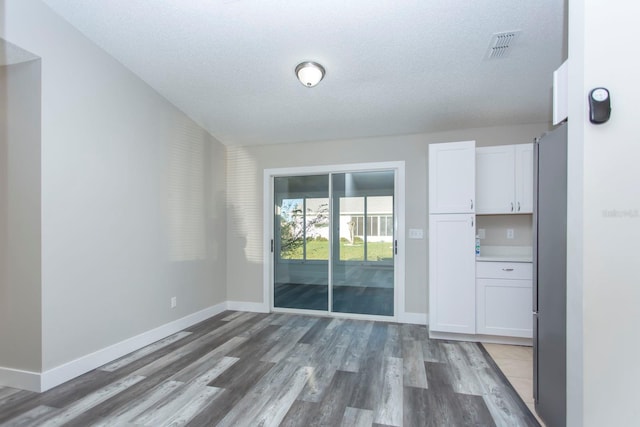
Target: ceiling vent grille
(502,44)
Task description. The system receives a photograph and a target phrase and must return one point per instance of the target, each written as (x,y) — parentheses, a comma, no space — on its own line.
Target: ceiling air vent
(502,44)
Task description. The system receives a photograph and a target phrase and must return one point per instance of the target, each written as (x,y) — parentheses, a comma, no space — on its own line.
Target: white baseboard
(16,378)
(255,307)
(40,382)
(494,339)
(413,318)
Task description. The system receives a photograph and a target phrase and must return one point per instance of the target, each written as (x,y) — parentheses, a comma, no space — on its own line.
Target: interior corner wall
(20,244)
(132,196)
(245,187)
(604,214)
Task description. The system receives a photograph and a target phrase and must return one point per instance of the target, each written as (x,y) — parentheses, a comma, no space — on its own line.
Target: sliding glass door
(334,242)
(363,267)
(301,244)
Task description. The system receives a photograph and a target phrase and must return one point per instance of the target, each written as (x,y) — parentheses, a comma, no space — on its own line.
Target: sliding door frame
(398,230)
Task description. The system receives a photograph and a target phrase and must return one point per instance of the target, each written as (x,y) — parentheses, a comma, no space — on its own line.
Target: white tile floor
(516,363)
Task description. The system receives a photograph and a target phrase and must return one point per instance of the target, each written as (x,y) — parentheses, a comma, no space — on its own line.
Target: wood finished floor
(249,369)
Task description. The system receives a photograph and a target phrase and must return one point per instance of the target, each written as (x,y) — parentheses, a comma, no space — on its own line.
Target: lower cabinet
(452,273)
(503,299)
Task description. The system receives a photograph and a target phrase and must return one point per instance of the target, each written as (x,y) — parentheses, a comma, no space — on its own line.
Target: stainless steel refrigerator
(549,281)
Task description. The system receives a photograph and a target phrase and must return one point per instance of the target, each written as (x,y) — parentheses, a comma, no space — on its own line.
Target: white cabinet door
(495,184)
(524,178)
(504,179)
(504,299)
(452,293)
(452,176)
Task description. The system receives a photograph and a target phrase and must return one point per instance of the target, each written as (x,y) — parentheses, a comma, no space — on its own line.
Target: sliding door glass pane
(380,228)
(351,229)
(317,226)
(301,244)
(363,268)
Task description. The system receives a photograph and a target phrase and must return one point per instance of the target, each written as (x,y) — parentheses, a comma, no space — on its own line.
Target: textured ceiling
(393,67)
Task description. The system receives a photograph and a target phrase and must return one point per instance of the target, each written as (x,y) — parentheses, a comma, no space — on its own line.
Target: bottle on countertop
(477,245)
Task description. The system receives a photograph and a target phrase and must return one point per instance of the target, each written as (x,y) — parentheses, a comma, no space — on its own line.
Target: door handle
(395,247)
(507,269)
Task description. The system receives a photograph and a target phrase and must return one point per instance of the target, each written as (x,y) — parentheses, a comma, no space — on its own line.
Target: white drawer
(504,270)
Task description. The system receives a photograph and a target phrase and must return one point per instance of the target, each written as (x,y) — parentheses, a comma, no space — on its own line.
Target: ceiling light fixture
(309,73)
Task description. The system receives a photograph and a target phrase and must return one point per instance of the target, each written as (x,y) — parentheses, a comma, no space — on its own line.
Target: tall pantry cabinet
(452,306)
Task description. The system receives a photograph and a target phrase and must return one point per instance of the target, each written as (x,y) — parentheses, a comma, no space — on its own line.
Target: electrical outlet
(416,233)
(509,233)
(174,302)
(482,233)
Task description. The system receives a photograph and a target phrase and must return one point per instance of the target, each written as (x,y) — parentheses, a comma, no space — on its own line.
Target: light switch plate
(416,233)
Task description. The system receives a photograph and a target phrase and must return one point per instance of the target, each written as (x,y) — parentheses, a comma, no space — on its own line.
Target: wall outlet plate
(416,233)
(510,234)
(482,233)
(174,302)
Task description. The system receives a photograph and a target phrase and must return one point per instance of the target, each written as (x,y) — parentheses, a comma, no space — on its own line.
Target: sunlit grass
(319,250)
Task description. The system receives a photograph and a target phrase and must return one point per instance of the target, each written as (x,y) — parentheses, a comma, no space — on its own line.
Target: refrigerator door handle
(534,288)
(535,357)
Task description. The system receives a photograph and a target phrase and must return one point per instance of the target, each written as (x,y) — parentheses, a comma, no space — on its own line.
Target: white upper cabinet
(495,185)
(504,179)
(452,175)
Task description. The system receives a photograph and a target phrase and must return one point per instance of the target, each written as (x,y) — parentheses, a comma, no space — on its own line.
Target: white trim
(267,226)
(267,232)
(494,339)
(40,382)
(335,314)
(399,268)
(350,167)
(254,307)
(16,378)
(413,318)
(63,373)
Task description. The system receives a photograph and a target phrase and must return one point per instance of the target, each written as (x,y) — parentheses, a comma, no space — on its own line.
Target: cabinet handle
(472,221)
(518,206)
(507,269)
(511,206)
(471,203)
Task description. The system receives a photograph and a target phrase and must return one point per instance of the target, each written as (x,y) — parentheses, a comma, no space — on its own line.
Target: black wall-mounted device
(599,105)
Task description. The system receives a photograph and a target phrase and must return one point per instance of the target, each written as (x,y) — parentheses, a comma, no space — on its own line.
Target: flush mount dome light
(309,73)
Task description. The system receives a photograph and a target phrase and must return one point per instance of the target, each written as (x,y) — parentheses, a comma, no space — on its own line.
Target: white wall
(496,227)
(245,165)
(132,196)
(604,218)
(20,272)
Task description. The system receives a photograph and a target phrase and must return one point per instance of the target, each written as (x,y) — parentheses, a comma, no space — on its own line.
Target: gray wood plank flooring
(249,369)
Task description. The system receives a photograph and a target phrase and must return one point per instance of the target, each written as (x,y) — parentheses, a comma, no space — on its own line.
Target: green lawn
(320,250)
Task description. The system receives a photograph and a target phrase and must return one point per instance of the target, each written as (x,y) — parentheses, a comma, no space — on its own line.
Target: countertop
(505,254)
